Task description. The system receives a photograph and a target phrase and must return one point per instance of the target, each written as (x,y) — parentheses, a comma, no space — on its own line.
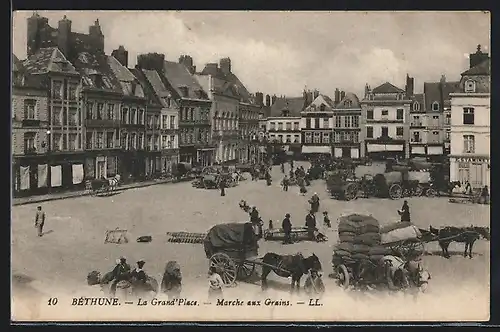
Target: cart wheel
(351,192)
(343,276)
(431,192)
(418,191)
(395,191)
(245,270)
(225,267)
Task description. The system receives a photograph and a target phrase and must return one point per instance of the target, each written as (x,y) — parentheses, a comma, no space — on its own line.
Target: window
(399,131)
(29,109)
(72,142)
(447,135)
(57,88)
(317,138)
(73,117)
(133,139)
(296,138)
(326,138)
(435,133)
(141,117)
(157,121)
(369,114)
(316,123)
(338,121)
(140,144)
(164,142)
(125,118)
(416,137)
(172,122)
(149,122)
(56,116)
(99,140)
(133,116)
(447,120)
(164,122)
(191,114)
(29,142)
(308,138)
(296,126)
(88,140)
(325,123)
(123,140)
(399,114)
(338,137)
(469,144)
(72,91)
(89,108)
(416,106)
(280,125)
(57,142)
(435,106)
(171,142)
(355,136)
(272,126)
(288,126)
(348,103)
(100,111)
(65,117)
(289,138)
(308,123)
(369,132)
(64,142)
(110,115)
(347,121)
(385,112)
(468,115)
(355,121)
(385,132)
(110,140)
(470,86)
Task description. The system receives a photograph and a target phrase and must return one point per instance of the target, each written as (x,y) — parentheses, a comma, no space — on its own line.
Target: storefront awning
(434,150)
(206,149)
(418,149)
(317,149)
(384,147)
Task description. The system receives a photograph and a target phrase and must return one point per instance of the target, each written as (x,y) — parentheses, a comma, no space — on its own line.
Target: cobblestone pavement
(73,244)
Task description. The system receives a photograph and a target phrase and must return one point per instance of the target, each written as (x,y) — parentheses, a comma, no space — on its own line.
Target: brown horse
(466,235)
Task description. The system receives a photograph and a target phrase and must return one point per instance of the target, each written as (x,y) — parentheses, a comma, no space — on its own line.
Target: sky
(284,52)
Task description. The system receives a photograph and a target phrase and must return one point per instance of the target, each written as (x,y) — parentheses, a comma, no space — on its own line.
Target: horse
(466,235)
(285,266)
(171,283)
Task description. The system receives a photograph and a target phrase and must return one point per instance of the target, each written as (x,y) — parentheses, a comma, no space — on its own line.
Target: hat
(123,259)
(315,193)
(141,261)
(325,212)
(287,215)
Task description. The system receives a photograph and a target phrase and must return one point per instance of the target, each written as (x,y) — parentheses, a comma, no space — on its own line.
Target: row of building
(448,121)
(80,114)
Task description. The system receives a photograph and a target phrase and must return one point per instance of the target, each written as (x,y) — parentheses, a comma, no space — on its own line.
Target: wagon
(207,181)
(233,249)
(277,234)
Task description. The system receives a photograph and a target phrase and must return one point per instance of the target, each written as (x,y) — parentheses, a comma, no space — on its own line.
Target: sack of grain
(393,226)
(360,248)
(379,250)
(346,246)
(401,234)
(360,256)
(368,228)
(346,238)
(342,253)
(376,258)
(347,233)
(369,239)
(347,226)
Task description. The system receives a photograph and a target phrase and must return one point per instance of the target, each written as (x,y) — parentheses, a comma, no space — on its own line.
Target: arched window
(348,103)
(470,86)
(416,106)
(435,106)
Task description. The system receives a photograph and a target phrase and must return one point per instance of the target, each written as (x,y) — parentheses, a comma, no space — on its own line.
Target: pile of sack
(362,238)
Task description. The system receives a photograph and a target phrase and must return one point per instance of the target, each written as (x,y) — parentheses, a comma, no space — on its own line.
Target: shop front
(169,158)
(475,170)
(205,156)
(315,151)
(346,151)
(386,150)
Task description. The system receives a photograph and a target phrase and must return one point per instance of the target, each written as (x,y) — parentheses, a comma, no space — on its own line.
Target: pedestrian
(311,225)
(222,186)
(282,167)
(405,212)
(271,227)
(39,220)
(287,229)
(314,202)
(254,215)
(468,188)
(215,284)
(326,220)
(485,194)
(268,178)
(285,183)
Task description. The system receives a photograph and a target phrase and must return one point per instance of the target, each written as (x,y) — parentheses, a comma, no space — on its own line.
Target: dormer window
(470,86)
(416,106)
(184,91)
(435,106)
(322,108)
(348,103)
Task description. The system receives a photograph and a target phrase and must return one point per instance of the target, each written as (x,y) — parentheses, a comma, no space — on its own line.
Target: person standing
(311,225)
(139,278)
(287,229)
(314,202)
(39,220)
(222,186)
(283,167)
(326,220)
(405,212)
(215,284)
(285,183)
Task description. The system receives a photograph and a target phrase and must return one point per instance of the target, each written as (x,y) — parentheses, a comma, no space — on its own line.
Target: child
(326,220)
(215,284)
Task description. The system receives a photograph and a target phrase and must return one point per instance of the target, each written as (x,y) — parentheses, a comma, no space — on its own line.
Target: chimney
(478,57)
(96,36)
(121,54)
(443,79)
(259,98)
(367,90)
(151,61)
(342,95)
(187,61)
(337,96)
(273,100)
(268,100)
(225,65)
(63,35)
(409,88)
(315,94)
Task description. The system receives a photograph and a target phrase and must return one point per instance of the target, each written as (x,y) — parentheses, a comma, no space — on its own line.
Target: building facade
(470,124)
(347,140)
(283,132)
(385,126)
(316,124)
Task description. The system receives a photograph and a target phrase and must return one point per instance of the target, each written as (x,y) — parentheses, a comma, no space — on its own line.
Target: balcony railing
(30,123)
(416,124)
(102,123)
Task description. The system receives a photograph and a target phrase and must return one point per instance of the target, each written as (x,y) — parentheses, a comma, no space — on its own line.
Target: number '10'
(53,301)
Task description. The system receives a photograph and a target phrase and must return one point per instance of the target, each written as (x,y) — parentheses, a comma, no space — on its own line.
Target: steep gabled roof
(92,65)
(419,99)
(156,83)
(320,100)
(241,90)
(432,93)
(484,68)
(49,60)
(149,92)
(178,76)
(350,101)
(387,88)
(129,84)
(294,105)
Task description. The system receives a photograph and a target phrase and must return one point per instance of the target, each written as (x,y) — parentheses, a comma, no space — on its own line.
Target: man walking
(311,225)
(222,186)
(39,220)
(405,212)
(285,183)
(287,229)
